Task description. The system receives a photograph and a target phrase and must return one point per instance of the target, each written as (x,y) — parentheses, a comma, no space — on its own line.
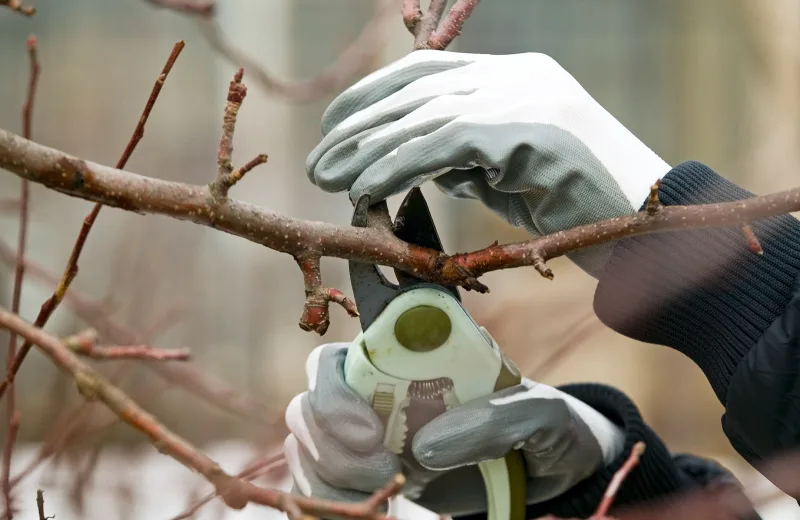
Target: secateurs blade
(420,353)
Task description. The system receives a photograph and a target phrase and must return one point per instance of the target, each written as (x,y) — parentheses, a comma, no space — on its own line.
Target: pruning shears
(420,353)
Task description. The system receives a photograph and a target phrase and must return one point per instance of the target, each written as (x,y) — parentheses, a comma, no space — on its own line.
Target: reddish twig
(428,23)
(452,24)
(315,310)
(191,7)
(84,344)
(13,429)
(226,176)
(235,492)
(364,50)
(260,468)
(412,14)
(18,6)
(617,480)
(186,375)
(752,240)
(19,275)
(71,270)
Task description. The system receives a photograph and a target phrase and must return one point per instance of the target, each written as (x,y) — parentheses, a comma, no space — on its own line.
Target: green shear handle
(420,353)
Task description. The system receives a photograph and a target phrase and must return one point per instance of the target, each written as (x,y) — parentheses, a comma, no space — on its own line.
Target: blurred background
(713,80)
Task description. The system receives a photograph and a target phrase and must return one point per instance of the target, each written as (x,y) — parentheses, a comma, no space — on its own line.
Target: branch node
(316,316)
(654,205)
(412,14)
(540,265)
(752,239)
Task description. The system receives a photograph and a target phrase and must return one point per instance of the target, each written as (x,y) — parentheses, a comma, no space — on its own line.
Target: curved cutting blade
(371,290)
(414,224)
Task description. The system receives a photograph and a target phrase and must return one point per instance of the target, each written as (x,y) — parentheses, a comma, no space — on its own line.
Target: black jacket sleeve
(735,313)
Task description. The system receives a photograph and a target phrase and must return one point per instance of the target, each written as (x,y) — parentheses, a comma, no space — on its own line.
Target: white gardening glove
(517,132)
(336,452)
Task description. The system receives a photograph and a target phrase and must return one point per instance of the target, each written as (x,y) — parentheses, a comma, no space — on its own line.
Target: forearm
(704,292)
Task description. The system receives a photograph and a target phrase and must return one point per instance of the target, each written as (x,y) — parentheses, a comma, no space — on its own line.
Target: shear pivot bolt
(423,328)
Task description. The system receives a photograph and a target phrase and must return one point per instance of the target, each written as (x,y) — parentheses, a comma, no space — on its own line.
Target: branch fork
(227,177)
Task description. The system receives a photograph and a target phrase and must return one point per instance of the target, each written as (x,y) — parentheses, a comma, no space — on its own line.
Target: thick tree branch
(302,238)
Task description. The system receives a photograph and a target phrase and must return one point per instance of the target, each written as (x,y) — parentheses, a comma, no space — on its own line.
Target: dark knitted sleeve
(702,292)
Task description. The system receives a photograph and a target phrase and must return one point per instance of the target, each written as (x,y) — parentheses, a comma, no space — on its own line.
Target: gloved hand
(335,450)
(517,132)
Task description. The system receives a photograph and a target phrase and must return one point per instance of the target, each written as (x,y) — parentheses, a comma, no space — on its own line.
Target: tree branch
(364,50)
(18,6)
(19,275)
(186,375)
(226,176)
(452,24)
(302,238)
(84,344)
(236,492)
(71,270)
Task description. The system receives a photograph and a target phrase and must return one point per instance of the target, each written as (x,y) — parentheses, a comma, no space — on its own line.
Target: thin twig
(412,14)
(84,345)
(428,23)
(13,429)
(188,376)
(40,505)
(358,56)
(617,480)
(191,7)
(260,468)
(71,270)
(589,326)
(236,493)
(19,275)
(226,176)
(752,239)
(452,24)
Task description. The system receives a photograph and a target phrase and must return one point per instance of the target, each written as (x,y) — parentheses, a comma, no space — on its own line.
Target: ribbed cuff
(701,292)
(655,476)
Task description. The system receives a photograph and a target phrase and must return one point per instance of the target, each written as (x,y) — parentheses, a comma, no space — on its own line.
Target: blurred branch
(264,467)
(71,270)
(186,375)
(583,330)
(353,61)
(236,492)
(83,344)
(186,6)
(18,6)
(19,275)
